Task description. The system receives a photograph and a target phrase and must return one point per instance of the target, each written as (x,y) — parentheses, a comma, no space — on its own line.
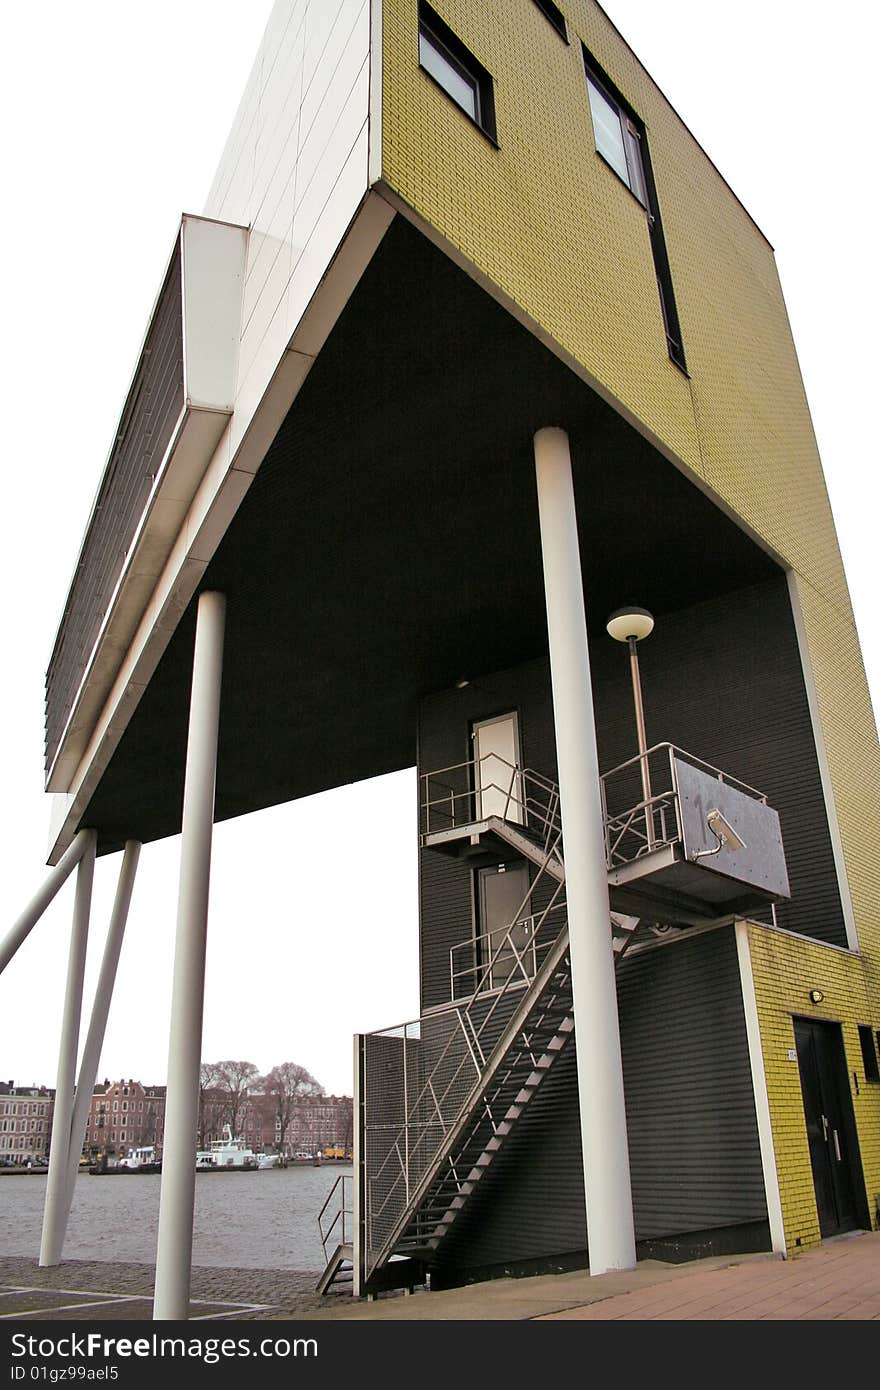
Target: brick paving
(26,1289)
(840,1281)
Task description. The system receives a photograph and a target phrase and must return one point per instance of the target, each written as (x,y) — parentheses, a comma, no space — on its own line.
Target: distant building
(124,1115)
(25,1123)
(318,1123)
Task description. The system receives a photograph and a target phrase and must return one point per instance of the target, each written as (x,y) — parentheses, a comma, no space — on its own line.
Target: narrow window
(555,16)
(454,68)
(620,141)
(869,1053)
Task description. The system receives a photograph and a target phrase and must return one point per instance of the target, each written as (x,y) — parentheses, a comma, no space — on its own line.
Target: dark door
(830,1124)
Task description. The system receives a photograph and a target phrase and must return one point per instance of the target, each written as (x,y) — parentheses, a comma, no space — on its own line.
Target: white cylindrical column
(88,1068)
(41,900)
(174,1254)
(55,1210)
(597,1037)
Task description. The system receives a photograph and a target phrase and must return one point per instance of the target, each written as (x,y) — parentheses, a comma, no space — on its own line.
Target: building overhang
(386,544)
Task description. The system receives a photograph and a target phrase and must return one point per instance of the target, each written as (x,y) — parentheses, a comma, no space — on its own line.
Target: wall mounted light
(816,996)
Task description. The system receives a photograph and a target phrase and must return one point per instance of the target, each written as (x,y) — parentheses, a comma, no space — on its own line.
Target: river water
(262,1220)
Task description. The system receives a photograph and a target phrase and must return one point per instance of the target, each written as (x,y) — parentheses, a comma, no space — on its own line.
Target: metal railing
(635,827)
(470,968)
(419,1077)
(473,790)
(338,1230)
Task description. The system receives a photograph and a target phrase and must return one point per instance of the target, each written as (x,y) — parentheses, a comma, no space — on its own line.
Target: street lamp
(632,625)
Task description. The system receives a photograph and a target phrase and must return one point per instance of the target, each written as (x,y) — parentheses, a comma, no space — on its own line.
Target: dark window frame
(869,1052)
(450,48)
(627,116)
(555,16)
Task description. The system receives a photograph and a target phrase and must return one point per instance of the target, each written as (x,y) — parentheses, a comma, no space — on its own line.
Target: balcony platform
(494,840)
(666,887)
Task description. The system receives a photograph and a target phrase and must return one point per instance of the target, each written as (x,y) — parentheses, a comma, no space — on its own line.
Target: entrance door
(831,1128)
(501,896)
(497,783)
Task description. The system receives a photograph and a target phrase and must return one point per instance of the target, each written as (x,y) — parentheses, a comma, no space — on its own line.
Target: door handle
(836,1145)
(825,1128)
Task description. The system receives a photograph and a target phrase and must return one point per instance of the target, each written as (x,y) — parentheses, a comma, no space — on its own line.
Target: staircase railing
(338,1230)
(470,971)
(457,795)
(458,1040)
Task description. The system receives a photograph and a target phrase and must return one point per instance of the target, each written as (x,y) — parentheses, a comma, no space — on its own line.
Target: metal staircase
(440,1097)
(481,1062)
(530,1044)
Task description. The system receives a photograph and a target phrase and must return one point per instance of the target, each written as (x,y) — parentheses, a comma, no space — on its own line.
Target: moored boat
(228,1154)
(141,1160)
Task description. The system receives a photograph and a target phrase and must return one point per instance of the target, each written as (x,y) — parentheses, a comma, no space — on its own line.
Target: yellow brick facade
(785,968)
(543,221)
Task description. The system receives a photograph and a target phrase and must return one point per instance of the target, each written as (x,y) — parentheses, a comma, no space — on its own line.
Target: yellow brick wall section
(563,238)
(854,757)
(546,220)
(785,968)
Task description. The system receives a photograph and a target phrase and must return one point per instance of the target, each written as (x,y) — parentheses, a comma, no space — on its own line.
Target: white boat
(269,1160)
(226,1153)
(141,1160)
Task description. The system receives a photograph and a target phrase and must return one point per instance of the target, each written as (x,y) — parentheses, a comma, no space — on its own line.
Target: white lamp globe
(630,622)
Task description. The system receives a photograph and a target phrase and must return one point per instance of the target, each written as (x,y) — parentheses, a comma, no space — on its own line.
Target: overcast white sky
(114,118)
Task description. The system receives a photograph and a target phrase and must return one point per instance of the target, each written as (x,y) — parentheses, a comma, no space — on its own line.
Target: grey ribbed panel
(693,1137)
(693,1134)
(151,411)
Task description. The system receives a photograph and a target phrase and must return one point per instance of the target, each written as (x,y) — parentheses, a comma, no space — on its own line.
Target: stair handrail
(472,1034)
(341,1212)
(465,1007)
(473,945)
(537,798)
(499,1053)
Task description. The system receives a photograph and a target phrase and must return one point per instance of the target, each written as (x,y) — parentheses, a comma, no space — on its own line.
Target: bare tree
(286,1085)
(210,1101)
(232,1082)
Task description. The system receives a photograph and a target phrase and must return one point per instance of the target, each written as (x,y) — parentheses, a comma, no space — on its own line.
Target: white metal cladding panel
(294,169)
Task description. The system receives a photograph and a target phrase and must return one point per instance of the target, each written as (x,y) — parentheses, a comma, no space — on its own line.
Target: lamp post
(631,625)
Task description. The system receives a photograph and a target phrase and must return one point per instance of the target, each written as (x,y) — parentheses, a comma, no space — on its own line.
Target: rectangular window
(621,142)
(454,68)
(555,16)
(869,1053)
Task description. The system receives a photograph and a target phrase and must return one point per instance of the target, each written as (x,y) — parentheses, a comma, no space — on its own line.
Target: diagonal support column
(597,1036)
(88,1069)
(174,1254)
(19,933)
(54,1213)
